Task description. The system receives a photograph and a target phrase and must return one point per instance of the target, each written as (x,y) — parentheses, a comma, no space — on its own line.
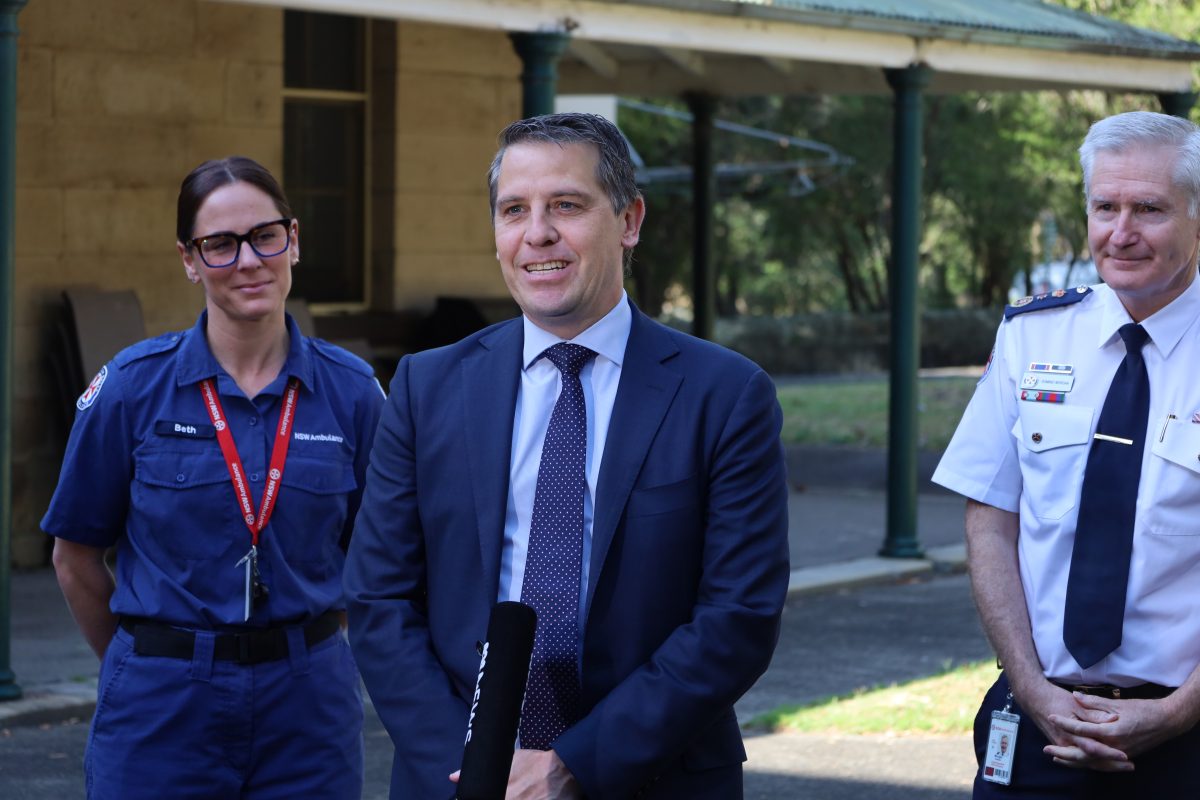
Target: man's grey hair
(1123,132)
(614,170)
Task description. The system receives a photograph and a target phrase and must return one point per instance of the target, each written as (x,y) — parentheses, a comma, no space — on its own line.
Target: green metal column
(704,192)
(1177,104)
(9,690)
(539,54)
(905,349)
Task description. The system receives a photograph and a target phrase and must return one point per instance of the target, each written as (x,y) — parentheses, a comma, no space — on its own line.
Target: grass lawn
(942,704)
(855,413)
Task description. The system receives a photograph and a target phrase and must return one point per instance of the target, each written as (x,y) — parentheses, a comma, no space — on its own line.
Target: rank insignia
(1045,301)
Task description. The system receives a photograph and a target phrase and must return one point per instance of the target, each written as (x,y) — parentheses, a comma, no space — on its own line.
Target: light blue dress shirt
(538,391)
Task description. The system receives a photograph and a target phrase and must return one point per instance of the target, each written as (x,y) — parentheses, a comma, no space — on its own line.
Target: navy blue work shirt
(143,470)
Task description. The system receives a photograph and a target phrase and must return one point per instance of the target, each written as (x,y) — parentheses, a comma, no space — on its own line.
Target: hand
(538,775)
(1048,705)
(541,775)
(1135,727)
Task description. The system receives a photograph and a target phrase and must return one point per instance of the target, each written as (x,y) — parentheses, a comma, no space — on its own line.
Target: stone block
(263,144)
(39,230)
(130,26)
(99,84)
(45,273)
(421,277)
(238,31)
(456,164)
(253,94)
(120,222)
(459,51)
(443,223)
(457,105)
(35,83)
(113,154)
(37,154)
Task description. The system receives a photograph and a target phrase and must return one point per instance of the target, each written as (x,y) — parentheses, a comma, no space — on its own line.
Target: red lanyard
(237,474)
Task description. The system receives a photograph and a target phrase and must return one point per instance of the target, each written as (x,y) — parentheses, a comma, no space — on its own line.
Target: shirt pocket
(1174,479)
(184,501)
(313,505)
(1053,450)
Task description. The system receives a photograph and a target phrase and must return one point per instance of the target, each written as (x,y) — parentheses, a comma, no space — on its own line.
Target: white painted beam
(1081,70)
(754,36)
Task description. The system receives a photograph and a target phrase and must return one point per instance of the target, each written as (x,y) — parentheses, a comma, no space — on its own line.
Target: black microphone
(496,706)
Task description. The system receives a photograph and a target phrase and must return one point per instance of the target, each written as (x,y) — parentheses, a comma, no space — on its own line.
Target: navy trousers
(1169,772)
(208,729)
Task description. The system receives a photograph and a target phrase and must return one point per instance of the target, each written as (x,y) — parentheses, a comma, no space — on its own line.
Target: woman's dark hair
(212,175)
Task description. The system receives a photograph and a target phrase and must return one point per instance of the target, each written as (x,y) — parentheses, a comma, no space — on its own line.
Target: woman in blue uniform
(226,464)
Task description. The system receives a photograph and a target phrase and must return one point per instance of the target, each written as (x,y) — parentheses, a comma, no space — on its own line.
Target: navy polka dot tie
(553,565)
(1099,576)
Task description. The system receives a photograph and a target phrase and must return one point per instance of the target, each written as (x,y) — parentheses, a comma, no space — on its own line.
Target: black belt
(152,638)
(1143,691)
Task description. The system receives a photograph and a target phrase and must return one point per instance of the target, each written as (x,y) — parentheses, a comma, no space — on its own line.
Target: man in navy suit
(684,565)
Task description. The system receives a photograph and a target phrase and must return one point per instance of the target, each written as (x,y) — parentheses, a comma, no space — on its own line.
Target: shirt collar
(196,361)
(1165,326)
(607,336)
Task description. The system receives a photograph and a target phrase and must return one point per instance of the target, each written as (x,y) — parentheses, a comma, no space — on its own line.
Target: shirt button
(180,478)
(254,420)
(254,476)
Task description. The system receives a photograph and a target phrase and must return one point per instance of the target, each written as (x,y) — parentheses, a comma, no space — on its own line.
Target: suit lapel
(644,394)
(490,379)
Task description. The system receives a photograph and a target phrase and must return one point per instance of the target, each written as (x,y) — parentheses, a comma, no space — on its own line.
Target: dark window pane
(323,51)
(323,176)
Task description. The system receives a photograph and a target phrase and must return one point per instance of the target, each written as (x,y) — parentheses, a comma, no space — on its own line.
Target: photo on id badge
(1001,747)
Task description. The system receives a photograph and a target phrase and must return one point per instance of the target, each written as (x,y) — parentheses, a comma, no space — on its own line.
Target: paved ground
(838,635)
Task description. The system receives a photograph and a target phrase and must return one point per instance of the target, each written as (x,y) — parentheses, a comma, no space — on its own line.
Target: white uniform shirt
(1029,457)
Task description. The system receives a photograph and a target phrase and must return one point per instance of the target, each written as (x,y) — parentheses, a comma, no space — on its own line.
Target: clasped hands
(1100,733)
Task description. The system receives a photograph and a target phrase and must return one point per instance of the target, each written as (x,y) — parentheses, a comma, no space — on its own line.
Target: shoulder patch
(1055,299)
(340,355)
(148,347)
(93,390)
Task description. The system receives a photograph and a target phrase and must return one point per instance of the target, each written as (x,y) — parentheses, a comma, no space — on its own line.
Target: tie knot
(1134,336)
(569,357)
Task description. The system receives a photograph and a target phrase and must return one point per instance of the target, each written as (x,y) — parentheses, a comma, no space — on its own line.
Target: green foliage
(942,704)
(855,412)
(1001,185)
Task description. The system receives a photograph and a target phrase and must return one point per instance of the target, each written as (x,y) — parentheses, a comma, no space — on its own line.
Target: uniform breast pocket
(1053,446)
(192,484)
(1174,478)
(313,505)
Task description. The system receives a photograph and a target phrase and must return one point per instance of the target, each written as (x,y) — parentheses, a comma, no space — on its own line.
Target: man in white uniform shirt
(1080,460)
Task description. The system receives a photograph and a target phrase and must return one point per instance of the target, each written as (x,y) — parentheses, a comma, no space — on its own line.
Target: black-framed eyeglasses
(222,250)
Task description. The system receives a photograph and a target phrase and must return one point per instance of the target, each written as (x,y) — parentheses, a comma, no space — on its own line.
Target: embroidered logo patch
(90,393)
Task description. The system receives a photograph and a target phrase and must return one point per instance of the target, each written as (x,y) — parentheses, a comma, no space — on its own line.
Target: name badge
(1048,382)
(1001,748)
(188,430)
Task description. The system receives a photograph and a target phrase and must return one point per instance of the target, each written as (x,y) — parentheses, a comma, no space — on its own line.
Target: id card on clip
(248,562)
(1001,747)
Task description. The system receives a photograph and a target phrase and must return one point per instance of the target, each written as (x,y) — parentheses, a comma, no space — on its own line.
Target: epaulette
(340,355)
(1055,299)
(148,347)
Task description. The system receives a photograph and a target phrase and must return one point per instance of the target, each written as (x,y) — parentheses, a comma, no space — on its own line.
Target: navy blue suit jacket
(689,563)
